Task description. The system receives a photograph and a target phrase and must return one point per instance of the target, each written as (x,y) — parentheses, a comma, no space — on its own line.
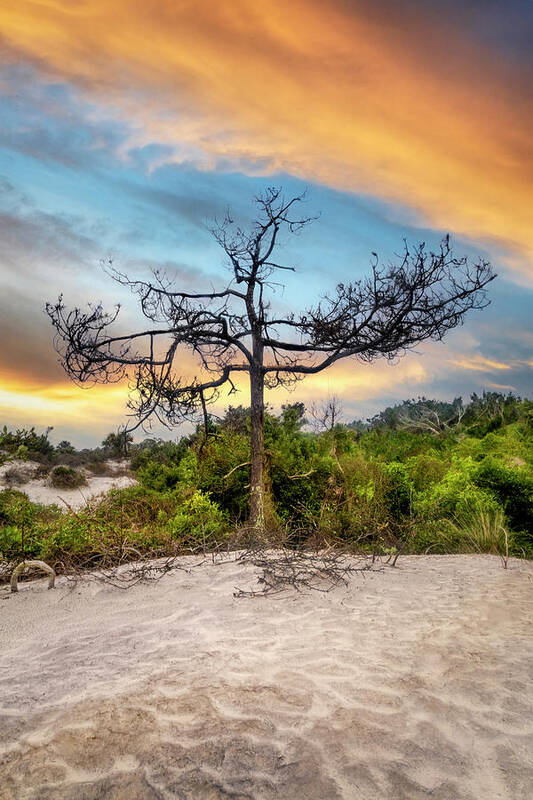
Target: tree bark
(257,449)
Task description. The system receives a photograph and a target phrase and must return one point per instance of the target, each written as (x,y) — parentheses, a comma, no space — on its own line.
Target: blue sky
(133,165)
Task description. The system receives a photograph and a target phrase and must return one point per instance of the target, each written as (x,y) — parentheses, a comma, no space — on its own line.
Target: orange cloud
(354,381)
(62,405)
(479,363)
(501,386)
(96,410)
(330,92)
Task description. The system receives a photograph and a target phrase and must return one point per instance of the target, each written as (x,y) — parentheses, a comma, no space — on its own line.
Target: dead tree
(236,330)
(430,416)
(326,415)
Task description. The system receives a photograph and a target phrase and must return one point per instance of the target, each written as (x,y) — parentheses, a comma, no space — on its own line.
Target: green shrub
(156,450)
(99,468)
(222,470)
(427,469)
(199,523)
(67,478)
(397,490)
(21,523)
(24,442)
(22,452)
(159,477)
(513,488)
(162,477)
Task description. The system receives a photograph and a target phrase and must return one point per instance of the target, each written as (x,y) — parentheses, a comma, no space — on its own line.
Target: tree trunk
(257,449)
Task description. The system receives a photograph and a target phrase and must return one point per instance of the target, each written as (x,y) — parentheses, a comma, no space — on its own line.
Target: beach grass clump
(482,530)
(14,476)
(63,477)
(99,469)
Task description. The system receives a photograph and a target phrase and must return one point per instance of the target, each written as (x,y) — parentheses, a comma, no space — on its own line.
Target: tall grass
(481,530)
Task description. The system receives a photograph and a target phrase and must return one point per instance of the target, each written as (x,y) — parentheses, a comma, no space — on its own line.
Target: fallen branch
(298,569)
(21,567)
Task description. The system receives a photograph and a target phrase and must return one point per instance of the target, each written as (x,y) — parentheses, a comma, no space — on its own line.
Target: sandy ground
(39,491)
(409,683)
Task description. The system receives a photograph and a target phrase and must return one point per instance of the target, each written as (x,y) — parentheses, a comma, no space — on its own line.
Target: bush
(166,477)
(21,525)
(199,523)
(99,468)
(67,478)
(16,477)
(156,450)
(398,489)
(24,442)
(513,488)
(454,494)
(427,469)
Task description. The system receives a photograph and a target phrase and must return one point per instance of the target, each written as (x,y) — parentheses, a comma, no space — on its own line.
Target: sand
(40,491)
(408,683)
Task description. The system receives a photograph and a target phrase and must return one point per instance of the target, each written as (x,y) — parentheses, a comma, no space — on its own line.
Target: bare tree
(327,414)
(236,330)
(430,416)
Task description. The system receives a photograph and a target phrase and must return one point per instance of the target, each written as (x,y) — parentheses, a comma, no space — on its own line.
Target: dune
(413,682)
(39,490)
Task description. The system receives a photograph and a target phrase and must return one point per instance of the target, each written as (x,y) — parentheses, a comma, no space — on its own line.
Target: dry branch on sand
(302,569)
(282,568)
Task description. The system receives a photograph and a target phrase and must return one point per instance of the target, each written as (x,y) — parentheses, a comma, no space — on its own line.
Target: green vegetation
(67,478)
(25,443)
(118,444)
(387,485)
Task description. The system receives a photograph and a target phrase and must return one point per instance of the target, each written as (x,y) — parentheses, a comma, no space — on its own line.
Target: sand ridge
(39,490)
(408,683)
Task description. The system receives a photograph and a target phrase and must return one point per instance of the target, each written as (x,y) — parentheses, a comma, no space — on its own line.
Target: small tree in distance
(118,443)
(236,330)
(326,415)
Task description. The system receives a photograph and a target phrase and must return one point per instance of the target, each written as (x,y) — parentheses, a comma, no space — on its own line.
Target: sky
(127,127)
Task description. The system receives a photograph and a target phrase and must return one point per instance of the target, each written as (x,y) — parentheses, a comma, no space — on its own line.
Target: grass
(67,478)
(480,531)
(16,477)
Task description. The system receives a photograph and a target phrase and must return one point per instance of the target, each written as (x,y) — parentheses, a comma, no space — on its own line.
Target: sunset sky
(126,127)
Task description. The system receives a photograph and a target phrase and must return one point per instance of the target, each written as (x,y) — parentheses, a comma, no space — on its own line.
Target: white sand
(410,683)
(40,491)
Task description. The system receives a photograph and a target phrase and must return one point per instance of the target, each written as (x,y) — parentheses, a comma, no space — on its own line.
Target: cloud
(419,113)
(81,415)
(46,253)
(178,204)
(501,386)
(478,363)
(50,122)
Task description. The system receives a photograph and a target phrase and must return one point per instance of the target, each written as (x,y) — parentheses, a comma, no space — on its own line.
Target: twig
(298,569)
(244,464)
